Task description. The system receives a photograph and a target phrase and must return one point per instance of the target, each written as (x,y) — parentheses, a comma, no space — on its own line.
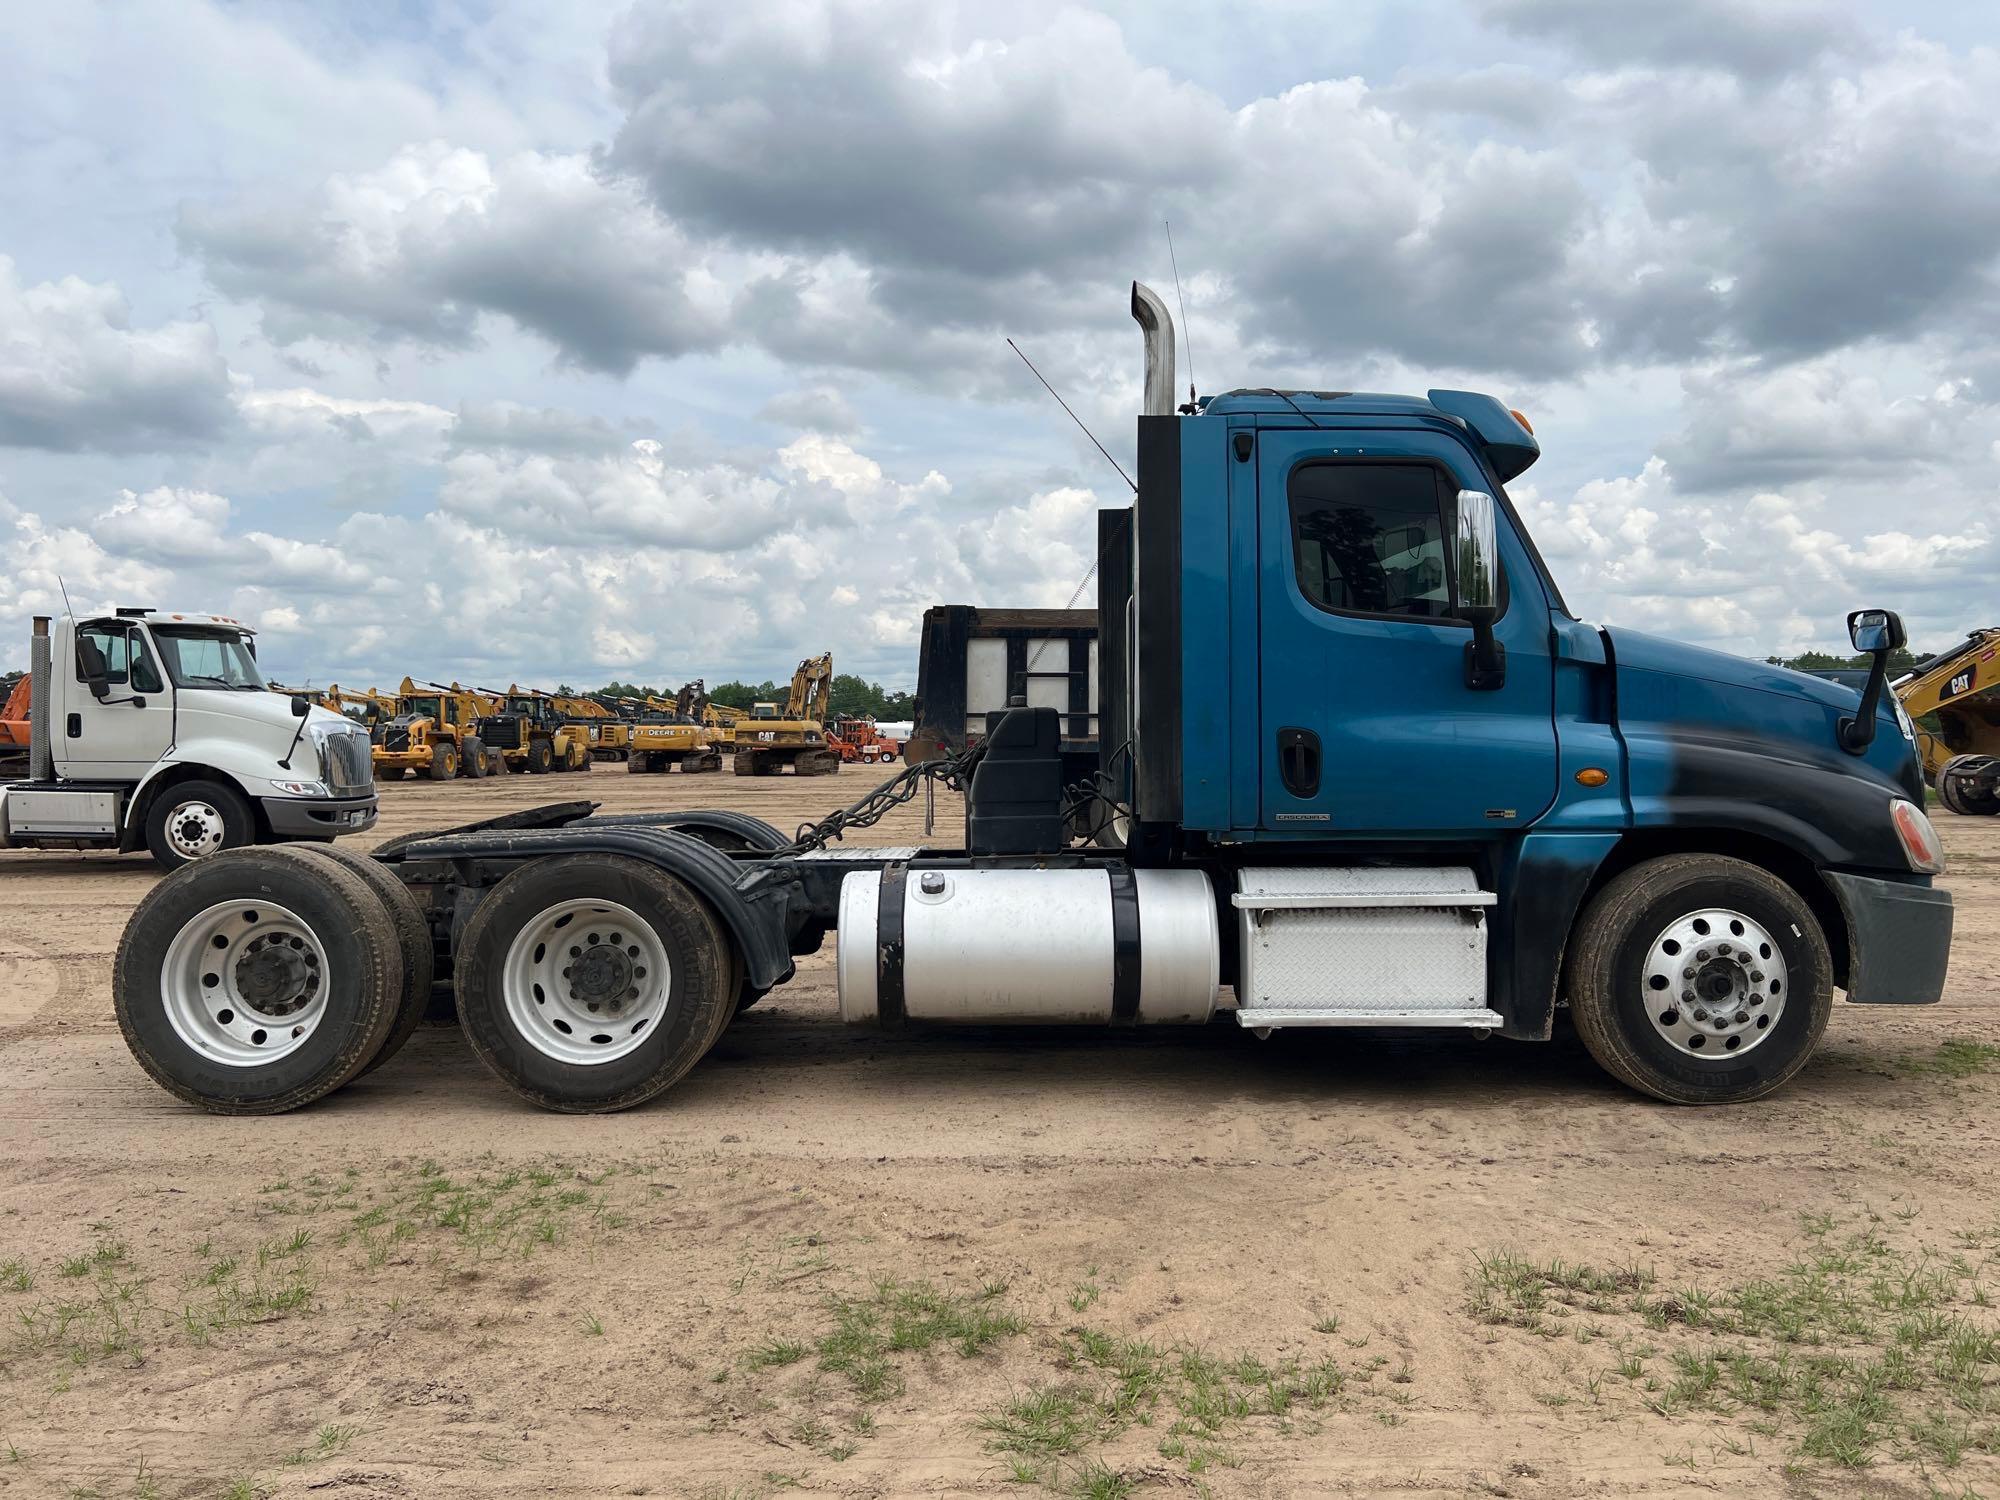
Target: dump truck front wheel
(1700,979)
(591,983)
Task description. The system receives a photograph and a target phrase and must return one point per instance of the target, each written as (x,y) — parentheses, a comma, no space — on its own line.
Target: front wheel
(590,983)
(195,820)
(1700,980)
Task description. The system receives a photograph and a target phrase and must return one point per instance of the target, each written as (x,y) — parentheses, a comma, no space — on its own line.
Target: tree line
(849,695)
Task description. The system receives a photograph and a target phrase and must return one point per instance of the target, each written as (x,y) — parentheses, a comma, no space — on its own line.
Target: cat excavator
(1954,700)
(770,739)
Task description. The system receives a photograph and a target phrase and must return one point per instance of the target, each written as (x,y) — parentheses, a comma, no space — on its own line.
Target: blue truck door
(1367,725)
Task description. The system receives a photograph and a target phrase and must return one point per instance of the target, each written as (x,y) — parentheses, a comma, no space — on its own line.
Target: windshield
(427,708)
(196,656)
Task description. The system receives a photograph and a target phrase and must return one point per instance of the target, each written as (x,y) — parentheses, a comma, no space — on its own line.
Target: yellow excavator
(721,720)
(771,739)
(673,734)
(1954,700)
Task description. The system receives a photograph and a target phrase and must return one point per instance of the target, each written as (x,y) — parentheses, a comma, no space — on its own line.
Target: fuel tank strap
(889,948)
(1124,946)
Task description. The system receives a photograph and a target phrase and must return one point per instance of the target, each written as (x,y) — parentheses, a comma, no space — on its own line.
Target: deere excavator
(1954,699)
(673,734)
(435,732)
(770,739)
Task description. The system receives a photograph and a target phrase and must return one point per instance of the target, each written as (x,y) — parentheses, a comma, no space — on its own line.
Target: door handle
(74,726)
(1298,762)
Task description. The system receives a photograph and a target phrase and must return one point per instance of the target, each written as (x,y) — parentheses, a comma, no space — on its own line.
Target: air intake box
(1014,805)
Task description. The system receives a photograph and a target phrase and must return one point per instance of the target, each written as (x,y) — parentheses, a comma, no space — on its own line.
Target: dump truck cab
(1361,767)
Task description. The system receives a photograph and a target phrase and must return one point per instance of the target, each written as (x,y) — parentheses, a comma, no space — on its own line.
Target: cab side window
(101,647)
(145,673)
(1369,538)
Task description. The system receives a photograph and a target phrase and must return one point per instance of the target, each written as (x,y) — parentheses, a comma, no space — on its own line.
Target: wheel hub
(586,981)
(194,829)
(1714,983)
(244,983)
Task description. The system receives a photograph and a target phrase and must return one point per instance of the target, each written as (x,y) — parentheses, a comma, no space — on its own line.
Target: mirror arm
(1858,733)
(1485,657)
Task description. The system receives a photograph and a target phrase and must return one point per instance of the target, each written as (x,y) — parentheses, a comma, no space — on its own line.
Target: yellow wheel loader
(531,735)
(771,739)
(434,732)
(672,734)
(1954,699)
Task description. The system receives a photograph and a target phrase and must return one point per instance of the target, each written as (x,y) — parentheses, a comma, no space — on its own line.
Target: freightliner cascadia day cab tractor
(152,729)
(1361,767)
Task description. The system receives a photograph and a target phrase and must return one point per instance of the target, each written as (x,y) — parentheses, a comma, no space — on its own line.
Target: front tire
(444,762)
(592,983)
(196,820)
(258,980)
(1700,979)
(474,752)
(540,756)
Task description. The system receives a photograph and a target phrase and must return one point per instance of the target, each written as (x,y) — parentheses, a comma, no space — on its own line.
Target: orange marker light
(1522,420)
(1592,776)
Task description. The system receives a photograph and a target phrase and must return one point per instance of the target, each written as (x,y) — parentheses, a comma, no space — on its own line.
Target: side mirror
(300,707)
(91,668)
(1475,593)
(1877,632)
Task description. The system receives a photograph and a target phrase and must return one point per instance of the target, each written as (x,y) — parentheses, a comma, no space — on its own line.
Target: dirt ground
(1028,1262)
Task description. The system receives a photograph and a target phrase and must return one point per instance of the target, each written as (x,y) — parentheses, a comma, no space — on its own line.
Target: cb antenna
(68,608)
(1074,417)
(1187,328)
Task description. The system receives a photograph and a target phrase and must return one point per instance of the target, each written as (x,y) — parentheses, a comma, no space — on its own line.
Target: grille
(349,766)
(503,731)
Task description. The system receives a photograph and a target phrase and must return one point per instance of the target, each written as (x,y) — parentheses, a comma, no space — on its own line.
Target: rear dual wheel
(1700,980)
(591,983)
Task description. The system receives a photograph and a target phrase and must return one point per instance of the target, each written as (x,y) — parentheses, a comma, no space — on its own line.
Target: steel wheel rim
(194,829)
(586,981)
(1714,983)
(244,983)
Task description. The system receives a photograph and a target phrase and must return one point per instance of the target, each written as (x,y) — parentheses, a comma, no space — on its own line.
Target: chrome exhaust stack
(41,752)
(1151,314)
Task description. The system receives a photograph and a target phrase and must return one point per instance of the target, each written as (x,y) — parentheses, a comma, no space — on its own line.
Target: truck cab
(155,729)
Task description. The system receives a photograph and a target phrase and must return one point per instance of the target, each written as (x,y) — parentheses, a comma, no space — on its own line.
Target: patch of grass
(1959,1057)
(593,1326)
(775,1352)
(15,1276)
(902,1318)
(1856,1349)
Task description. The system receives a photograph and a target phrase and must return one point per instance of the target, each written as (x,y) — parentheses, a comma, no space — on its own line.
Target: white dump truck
(154,729)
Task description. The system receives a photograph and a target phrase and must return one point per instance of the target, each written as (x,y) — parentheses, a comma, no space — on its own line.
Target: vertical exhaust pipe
(1151,314)
(41,754)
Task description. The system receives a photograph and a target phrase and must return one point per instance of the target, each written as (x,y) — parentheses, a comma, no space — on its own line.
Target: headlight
(302,788)
(1920,841)
(1903,719)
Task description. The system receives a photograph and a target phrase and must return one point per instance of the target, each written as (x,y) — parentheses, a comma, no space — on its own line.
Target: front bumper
(318,817)
(1898,939)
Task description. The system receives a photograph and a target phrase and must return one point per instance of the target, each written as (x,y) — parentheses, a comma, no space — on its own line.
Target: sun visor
(1504,434)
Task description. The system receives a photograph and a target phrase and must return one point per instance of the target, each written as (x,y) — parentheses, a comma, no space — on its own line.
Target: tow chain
(953,772)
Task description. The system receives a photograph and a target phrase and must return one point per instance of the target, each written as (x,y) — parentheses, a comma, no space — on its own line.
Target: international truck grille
(348,763)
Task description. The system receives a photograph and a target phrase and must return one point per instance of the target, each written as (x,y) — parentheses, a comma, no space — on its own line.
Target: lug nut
(1701,1015)
(1743,1018)
(1702,956)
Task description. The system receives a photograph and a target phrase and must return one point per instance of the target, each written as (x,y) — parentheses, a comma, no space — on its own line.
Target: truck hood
(1634,650)
(272,711)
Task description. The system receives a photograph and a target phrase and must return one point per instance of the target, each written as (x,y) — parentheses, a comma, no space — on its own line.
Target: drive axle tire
(196,820)
(1700,979)
(592,983)
(258,980)
(413,939)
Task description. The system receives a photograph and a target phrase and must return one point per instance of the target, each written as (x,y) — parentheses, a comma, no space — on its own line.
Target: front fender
(755,920)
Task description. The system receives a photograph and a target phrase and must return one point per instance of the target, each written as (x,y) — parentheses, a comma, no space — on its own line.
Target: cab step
(1363,945)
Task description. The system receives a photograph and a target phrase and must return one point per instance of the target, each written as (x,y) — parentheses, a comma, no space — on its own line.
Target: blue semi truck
(1359,766)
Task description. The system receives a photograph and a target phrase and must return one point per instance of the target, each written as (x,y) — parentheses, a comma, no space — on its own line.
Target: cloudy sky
(523,340)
